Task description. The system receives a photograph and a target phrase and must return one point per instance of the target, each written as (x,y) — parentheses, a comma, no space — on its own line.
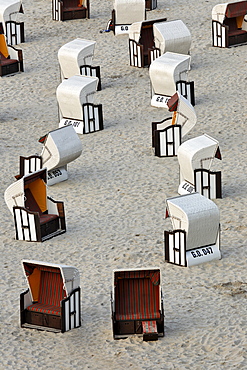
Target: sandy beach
(115,200)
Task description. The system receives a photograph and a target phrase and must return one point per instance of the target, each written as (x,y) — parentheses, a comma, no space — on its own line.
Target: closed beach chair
(167,134)
(13,28)
(195,158)
(37,217)
(11,59)
(229,24)
(168,74)
(75,98)
(63,10)
(75,58)
(137,305)
(195,237)
(52,300)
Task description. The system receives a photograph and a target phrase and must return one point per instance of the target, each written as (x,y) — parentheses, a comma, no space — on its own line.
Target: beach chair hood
(129,11)
(9,10)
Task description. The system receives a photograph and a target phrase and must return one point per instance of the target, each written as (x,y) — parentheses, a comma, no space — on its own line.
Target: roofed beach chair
(168,74)
(75,58)
(11,59)
(137,305)
(37,217)
(13,29)
(52,300)
(195,157)
(75,98)
(167,134)
(229,24)
(63,10)
(195,237)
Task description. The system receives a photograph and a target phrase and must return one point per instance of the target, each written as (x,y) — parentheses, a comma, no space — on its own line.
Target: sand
(115,200)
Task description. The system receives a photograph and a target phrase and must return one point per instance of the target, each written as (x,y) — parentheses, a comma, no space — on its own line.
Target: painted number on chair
(202,252)
(54,173)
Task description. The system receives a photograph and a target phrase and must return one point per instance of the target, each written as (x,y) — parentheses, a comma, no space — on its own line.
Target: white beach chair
(10,11)
(63,10)
(195,237)
(195,157)
(37,217)
(75,58)
(229,24)
(168,74)
(75,99)
(52,301)
(167,134)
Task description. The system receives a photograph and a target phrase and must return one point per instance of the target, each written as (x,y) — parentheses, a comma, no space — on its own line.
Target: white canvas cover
(9,10)
(172,36)
(166,70)
(219,11)
(198,216)
(73,93)
(61,147)
(196,153)
(74,54)
(129,11)
(70,274)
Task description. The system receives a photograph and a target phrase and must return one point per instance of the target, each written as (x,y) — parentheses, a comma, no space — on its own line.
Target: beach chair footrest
(149,329)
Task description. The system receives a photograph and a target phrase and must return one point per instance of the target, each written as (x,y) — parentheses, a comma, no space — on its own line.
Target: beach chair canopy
(198,216)
(196,153)
(9,10)
(184,113)
(172,36)
(166,70)
(225,11)
(75,54)
(129,11)
(60,147)
(32,269)
(73,93)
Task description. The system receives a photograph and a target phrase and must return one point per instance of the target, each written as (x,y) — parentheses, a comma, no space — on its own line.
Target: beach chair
(195,158)
(60,147)
(168,74)
(11,59)
(195,237)
(229,24)
(75,100)
(52,300)
(75,58)
(167,134)
(63,10)
(124,13)
(13,29)
(137,305)
(37,217)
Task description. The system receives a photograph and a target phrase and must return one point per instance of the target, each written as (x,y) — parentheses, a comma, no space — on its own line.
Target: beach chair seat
(11,59)
(13,27)
(63,10)
(52,301)
(229,26)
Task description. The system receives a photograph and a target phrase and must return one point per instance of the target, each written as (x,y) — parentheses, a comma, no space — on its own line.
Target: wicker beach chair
(11,59)
(63,10)
(52,300)
(13,28)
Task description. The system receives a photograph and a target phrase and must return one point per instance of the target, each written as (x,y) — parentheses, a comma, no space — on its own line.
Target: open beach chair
(229,24)
(37,217)
(11,59)
(195,237)
(75,98)
(63,10)
(75,58)
(60,147)
(137,305)
(195,158)
(52,300)
(168,74)
(167,134)
(13,28)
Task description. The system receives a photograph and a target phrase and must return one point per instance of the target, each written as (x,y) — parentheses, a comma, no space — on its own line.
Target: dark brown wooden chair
(11,59)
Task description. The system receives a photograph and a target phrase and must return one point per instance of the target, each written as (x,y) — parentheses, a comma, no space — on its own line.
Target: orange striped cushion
(149,327)
(51,289)
(43,308)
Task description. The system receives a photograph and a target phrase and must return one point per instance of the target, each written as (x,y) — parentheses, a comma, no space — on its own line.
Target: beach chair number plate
(160,101)
(78,125)
(121,29)
(203,254)
(186,188)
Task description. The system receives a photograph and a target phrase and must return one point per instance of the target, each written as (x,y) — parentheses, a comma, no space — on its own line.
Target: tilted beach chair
(167,134)
(11,59)
(137,305)
(13,29)
(195,237)
(168,74)
(52,300)
(75,98)
(195,158)
(63,10)
(75,58)
(229,24)
(37,217)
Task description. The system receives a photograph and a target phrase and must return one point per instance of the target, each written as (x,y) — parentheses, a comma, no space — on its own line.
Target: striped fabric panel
(51,289)
(134,274)
(149,327)
(43,308)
